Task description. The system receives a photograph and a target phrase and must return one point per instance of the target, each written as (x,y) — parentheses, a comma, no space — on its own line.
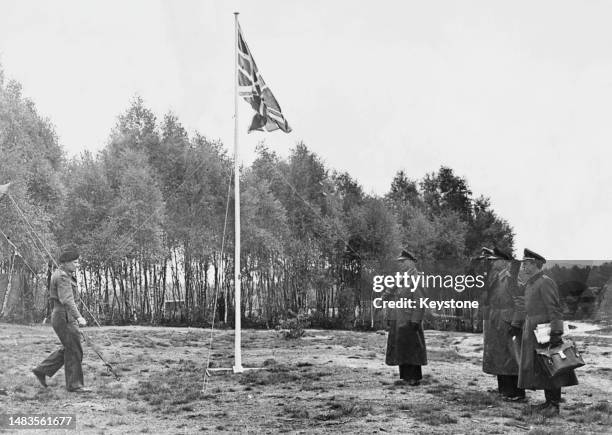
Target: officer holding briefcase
(542,306)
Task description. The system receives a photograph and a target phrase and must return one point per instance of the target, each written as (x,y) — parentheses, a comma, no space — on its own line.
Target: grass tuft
(438,420)
(474,399)
(296,411)
(600,413)
(340,409)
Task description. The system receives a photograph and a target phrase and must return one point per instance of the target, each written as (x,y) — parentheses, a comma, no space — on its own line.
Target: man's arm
(64,292)
(550,298)
(518,317)
(418,313)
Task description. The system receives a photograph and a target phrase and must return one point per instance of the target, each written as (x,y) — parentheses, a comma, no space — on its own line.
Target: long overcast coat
(499,309)
(404,344)
(541,306)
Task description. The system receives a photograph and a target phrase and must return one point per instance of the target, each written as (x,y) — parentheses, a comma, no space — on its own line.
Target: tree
(487,229)
(444,192)
(32,161)
(404,191)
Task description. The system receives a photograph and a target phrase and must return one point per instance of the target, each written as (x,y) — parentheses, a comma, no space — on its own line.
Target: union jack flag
(253,89)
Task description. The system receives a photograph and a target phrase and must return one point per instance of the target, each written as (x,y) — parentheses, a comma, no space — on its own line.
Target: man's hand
(515,331)
(81,321)
(555,338)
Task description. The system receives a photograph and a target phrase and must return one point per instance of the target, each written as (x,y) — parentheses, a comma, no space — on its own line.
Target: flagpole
(237,345)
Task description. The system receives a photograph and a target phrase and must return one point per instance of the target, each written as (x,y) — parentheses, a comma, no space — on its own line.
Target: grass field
(327,381)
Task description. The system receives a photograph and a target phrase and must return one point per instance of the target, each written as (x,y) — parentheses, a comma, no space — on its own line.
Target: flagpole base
(233,369)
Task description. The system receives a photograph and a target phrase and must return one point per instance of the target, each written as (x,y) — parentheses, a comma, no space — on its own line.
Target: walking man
(541,306)
(406,340)
(66,320)
(499,356)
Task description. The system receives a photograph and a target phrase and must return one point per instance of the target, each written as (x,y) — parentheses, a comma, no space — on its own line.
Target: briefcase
(559,360)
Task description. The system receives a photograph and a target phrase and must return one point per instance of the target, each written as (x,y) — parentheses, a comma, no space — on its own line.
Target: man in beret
(406,340)
(66,320)
(499,356)
(541,306)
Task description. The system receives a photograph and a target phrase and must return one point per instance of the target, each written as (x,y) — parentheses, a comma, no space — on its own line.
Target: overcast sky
(516,95)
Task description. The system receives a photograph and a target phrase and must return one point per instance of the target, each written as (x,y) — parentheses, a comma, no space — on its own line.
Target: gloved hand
(81,321)
(515,331)
(555,338)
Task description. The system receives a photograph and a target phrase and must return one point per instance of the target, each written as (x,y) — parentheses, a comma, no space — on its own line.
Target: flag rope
(33,231)
(30,236)
(16,250)
(212,323)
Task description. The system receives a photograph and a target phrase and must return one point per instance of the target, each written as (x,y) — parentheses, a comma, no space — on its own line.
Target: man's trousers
(410,372)
(69,355)
(507,386)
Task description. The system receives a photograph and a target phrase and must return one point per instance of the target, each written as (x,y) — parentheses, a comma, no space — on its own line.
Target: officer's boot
(552,410)
(553,397)
(540,406)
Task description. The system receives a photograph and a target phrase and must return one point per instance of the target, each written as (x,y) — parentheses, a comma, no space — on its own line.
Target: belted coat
(406,340)
(542,305)
(500,305)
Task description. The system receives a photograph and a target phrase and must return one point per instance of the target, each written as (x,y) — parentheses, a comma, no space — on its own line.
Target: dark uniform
(406,341)
(500,352)
(541,306)
(64,320)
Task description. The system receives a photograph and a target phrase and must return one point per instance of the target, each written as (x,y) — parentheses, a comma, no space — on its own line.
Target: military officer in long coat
(406,341)
(499,355)
(65,320)
(541,306)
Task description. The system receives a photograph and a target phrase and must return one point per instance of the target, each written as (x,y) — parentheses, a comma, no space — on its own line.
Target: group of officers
(517,297)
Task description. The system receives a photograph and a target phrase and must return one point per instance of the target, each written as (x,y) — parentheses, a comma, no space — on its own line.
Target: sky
(514,96)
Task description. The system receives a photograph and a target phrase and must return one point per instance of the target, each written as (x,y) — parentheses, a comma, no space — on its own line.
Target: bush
(319,320)
(293,328)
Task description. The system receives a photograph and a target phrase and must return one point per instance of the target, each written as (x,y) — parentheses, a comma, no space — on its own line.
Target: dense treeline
(582,289)
(152,217)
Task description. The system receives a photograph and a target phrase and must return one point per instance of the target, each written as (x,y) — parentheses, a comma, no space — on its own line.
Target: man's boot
(553,397)
(518,398)
(540,406)
(41,377)
(552,410)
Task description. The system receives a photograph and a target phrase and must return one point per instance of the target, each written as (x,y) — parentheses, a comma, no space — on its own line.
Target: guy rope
(31,230)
